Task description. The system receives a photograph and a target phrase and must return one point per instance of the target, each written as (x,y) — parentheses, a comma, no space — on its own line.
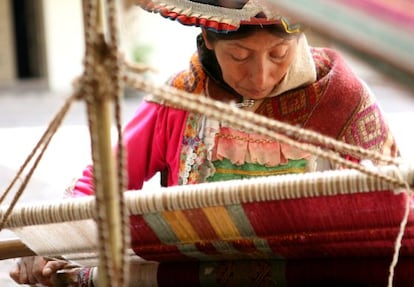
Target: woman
(264,67)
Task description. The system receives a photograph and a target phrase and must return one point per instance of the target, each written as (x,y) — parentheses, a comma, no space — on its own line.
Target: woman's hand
(36,269)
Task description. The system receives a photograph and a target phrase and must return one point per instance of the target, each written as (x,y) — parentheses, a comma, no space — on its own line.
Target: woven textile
(379,31)
(301,228)
(365,224)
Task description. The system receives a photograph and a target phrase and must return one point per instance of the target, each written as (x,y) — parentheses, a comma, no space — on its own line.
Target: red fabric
(196,21)
(356,225)
(341,99)
(152,140)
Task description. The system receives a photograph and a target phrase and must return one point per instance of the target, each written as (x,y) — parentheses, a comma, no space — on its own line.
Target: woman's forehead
(259,39)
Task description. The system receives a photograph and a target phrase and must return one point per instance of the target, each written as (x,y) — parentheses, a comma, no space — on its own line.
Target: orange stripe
(200,223)
(221,222)
(181,227)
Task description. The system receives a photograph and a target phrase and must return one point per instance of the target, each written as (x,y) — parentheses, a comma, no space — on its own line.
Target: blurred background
(41,53)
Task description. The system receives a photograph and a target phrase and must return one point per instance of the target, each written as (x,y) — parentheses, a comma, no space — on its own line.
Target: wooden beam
(14,248)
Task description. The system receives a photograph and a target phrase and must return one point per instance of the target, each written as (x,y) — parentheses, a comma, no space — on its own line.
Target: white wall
(7,60)
(64,42)
(172,42)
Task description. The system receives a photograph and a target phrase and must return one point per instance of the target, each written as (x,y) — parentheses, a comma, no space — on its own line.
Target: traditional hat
(220,15)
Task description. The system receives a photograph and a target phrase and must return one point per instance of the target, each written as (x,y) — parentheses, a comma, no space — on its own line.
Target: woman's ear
(206,41)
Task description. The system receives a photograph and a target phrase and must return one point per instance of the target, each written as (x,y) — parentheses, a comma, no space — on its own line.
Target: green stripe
(167,236)
(161,228)
(191,250)
(237,214)
(243,273)
(225,170)
(226,248)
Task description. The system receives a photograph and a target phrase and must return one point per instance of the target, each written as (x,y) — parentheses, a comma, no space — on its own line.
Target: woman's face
(254,65)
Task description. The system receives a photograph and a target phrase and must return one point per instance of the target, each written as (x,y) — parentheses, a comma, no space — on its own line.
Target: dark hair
(247,30)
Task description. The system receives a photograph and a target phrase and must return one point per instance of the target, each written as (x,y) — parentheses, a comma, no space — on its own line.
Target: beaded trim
(246,103)
(85,278)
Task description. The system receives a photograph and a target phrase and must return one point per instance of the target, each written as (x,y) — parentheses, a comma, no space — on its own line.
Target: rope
(262,189)
(403,224)
(104,77)
(162,94)
(258,124)
(36,155)
(264,126)
(102,81)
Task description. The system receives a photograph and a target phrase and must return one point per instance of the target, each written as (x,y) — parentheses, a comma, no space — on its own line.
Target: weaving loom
(291,230)
(270,222)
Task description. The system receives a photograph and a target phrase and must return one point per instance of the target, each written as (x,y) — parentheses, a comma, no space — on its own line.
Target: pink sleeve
(152,141)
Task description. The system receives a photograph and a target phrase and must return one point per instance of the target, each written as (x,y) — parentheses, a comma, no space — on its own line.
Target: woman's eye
(238,57)
(279,55)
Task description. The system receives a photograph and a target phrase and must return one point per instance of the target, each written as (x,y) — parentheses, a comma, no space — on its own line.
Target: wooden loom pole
(100,94)
(106,190)
(14,248)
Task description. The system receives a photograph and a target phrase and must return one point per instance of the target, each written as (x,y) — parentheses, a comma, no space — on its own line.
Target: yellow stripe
(221,222)
(259,173)
(181,226)
(287,27)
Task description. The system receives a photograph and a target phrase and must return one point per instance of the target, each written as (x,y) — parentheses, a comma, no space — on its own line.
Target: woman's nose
(260,73)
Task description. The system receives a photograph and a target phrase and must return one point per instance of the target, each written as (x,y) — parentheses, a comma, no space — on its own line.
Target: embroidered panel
(368,129)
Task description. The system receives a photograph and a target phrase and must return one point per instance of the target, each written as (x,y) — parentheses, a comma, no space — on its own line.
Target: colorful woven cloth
(359,225)
(379,31)
(299,242)
(295,230)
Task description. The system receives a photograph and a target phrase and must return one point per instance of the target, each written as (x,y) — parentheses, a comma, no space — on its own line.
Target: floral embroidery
(193,152)
(207,144)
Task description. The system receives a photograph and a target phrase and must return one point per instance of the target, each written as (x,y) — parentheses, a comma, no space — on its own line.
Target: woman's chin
(253,94)
(256,95)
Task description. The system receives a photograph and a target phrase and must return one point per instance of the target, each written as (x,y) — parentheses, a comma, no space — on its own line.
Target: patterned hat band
(220,15)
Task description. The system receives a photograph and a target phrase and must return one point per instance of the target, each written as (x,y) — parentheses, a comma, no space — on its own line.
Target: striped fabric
(379,31)
(334,228)
(398,13)
(293,242)
(358,225)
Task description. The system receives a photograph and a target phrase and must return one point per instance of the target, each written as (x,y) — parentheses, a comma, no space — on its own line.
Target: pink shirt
(153,139)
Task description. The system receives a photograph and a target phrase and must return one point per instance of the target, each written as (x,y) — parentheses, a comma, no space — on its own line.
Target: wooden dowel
(14,248)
